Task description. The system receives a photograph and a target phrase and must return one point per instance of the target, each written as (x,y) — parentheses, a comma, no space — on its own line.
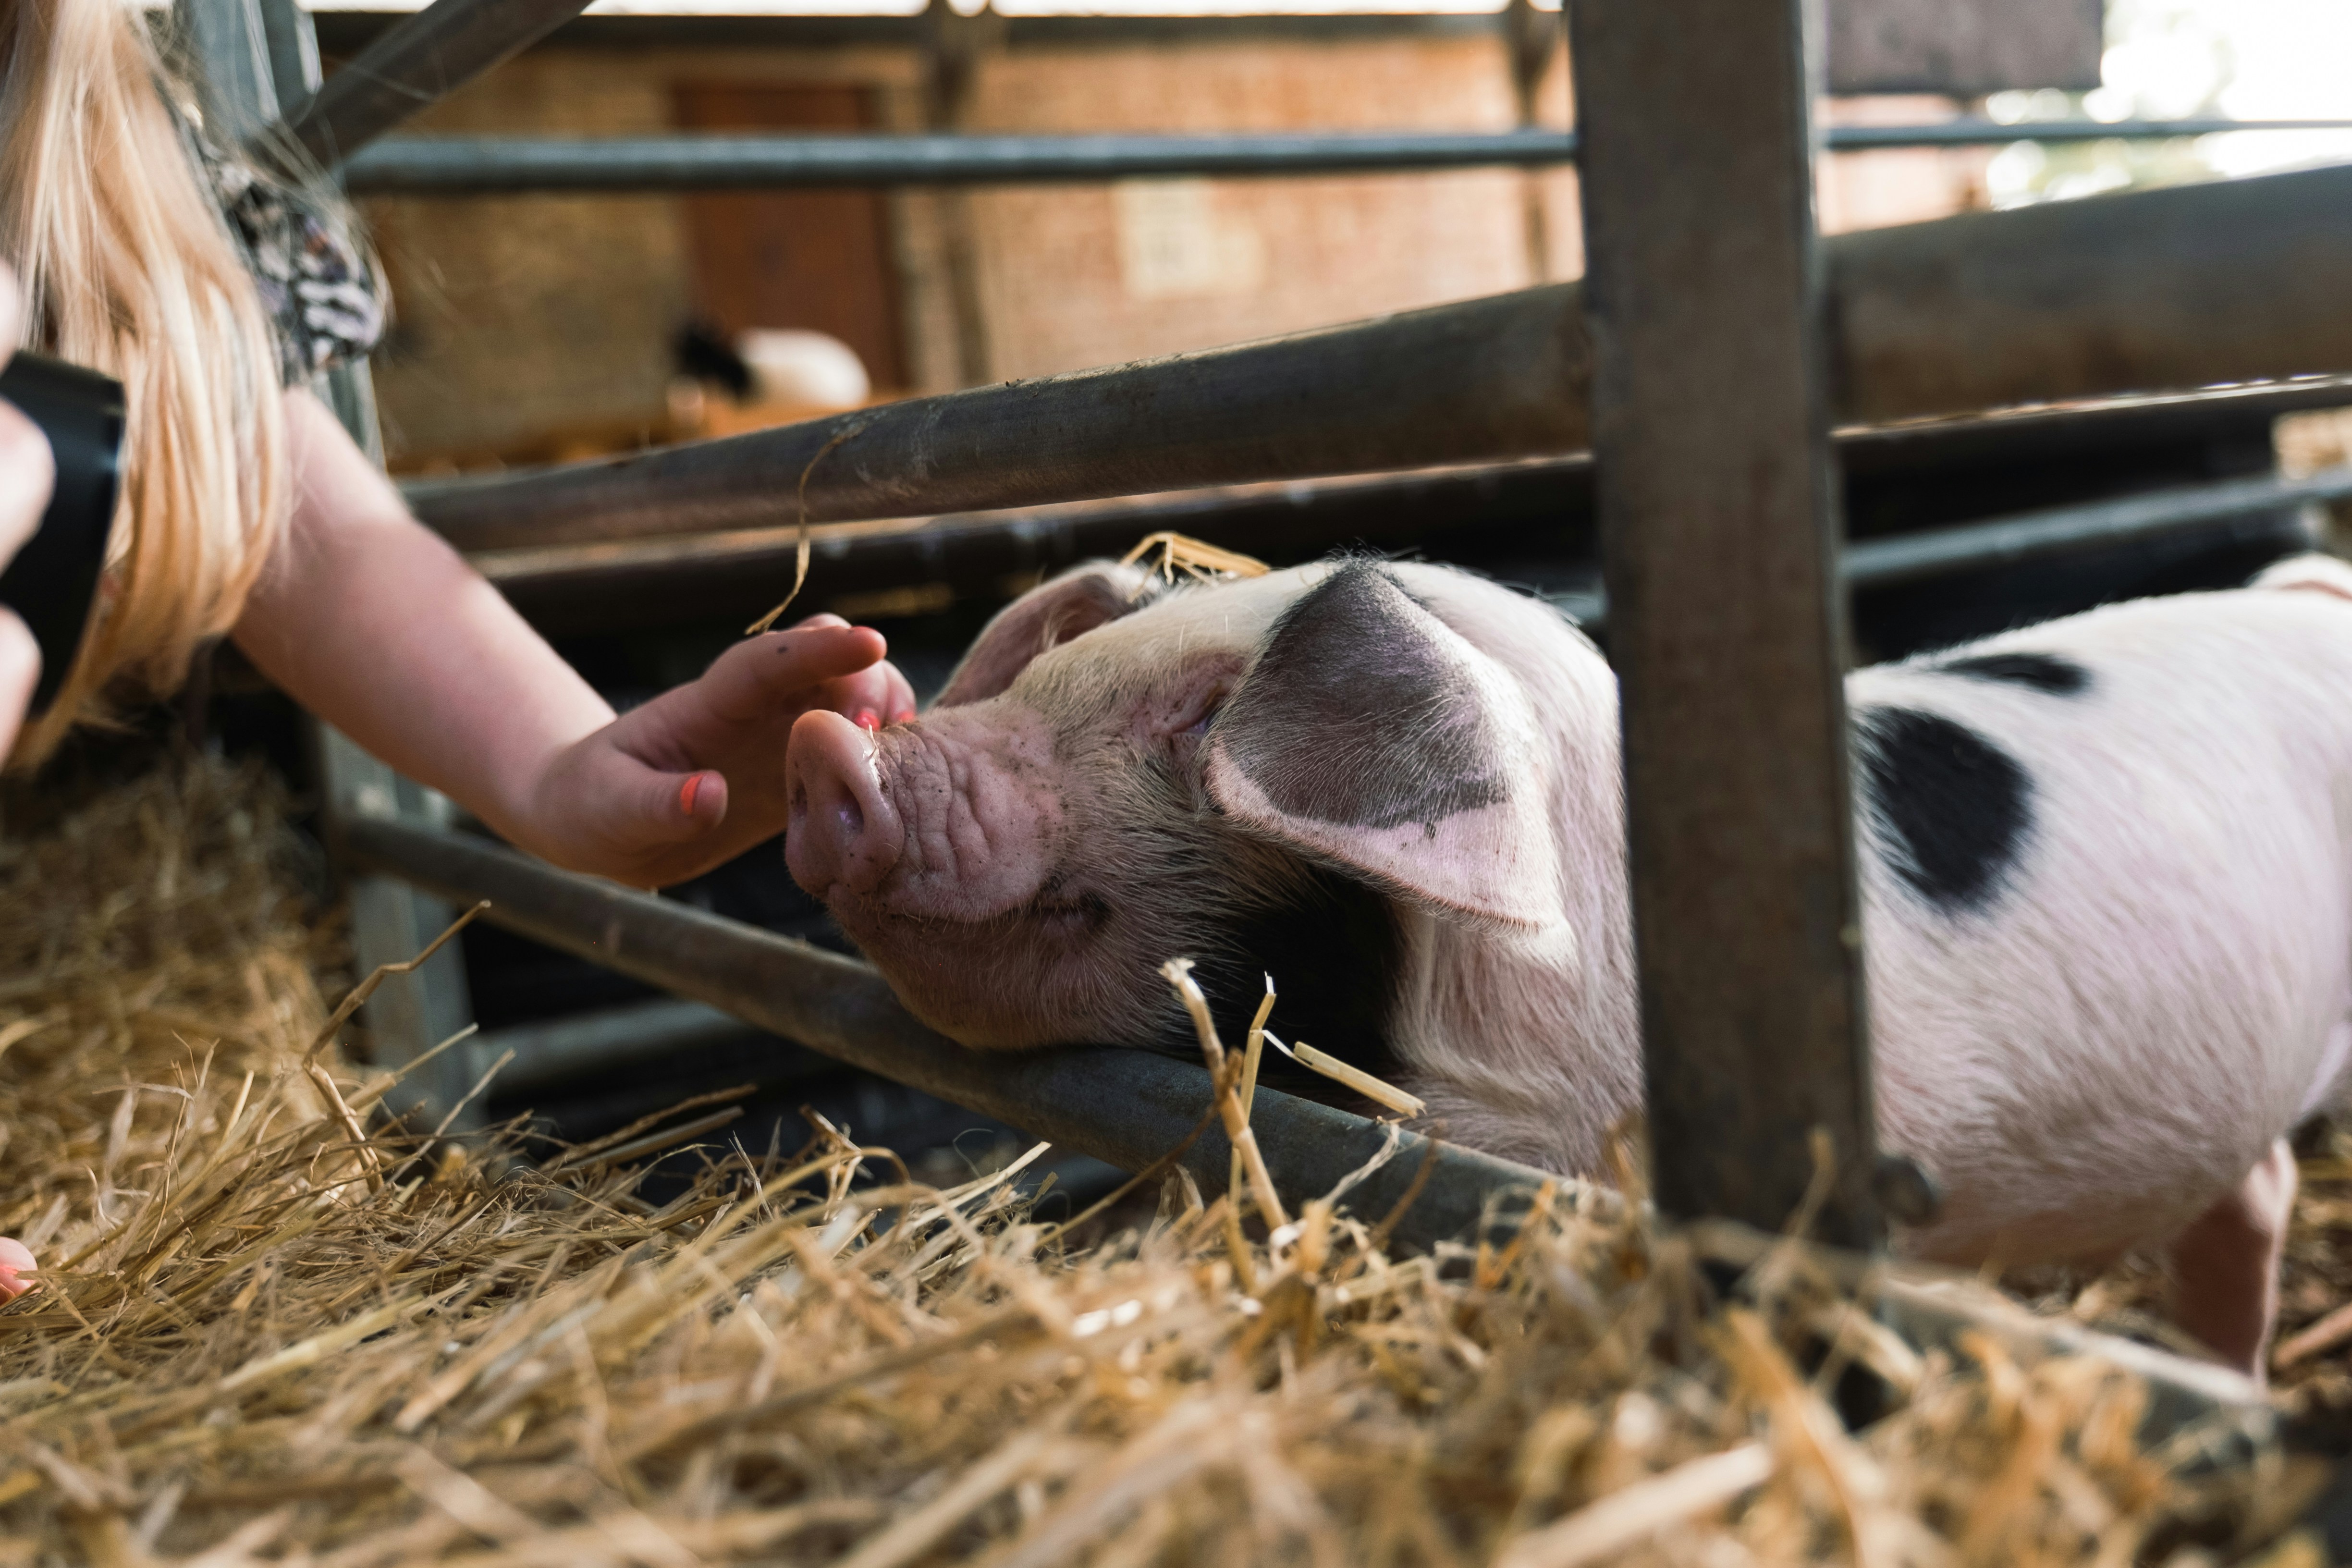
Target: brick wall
(537,327)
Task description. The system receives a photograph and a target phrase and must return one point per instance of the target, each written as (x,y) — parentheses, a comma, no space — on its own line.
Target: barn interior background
(552,317)
(536,326)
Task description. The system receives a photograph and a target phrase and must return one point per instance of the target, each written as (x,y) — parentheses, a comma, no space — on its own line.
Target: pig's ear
(1369,733)
(1045,618)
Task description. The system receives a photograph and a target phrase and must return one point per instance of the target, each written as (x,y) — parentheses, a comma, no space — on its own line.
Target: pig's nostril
(844,835)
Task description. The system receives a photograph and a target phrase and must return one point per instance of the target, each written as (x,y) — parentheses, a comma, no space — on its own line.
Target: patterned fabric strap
(322,295)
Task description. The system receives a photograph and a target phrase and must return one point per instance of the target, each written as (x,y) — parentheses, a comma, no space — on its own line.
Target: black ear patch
(2039,671)
(1953,807)
(1353,716)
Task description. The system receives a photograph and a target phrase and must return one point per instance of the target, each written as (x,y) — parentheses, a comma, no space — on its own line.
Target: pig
(2105,869)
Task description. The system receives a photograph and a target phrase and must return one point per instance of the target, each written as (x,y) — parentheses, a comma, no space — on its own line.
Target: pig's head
(1271,773)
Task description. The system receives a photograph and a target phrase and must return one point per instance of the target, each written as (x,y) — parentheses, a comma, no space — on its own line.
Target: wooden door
(820,259)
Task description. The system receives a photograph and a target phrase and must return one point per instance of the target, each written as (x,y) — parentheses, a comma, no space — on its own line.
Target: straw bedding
(264,1339)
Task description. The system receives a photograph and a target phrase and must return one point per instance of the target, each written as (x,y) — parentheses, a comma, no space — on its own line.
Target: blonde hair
(128,267)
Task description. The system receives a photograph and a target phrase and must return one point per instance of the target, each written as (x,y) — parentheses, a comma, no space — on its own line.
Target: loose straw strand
(801,548)
(366,988)
(1178,972)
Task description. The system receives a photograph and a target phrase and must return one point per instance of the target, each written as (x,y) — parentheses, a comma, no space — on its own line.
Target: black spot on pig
(1951,807)
(2039,671)
(1354,715)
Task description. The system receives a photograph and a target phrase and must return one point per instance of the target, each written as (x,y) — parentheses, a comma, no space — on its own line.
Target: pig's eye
(1181,728)
(1203,717)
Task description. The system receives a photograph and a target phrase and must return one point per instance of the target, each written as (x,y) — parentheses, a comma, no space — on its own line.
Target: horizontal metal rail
(2073,300)
(2062,530)
(419,60)
(564,589)
(485,165)
(1977,132)
(2048,534)
(492,165)
(1126,1108)
(1457,384)
(611,1039)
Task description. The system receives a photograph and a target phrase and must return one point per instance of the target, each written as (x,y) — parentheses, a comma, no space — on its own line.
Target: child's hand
(696,776)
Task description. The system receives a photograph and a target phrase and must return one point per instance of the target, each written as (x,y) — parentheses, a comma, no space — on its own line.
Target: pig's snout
(843,832)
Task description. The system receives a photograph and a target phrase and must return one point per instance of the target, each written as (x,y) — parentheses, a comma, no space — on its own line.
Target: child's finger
(756,674)
(649,808)
(902,698)
(17,1268)
(686,805)
(12,311)
(20,672)
(866,699)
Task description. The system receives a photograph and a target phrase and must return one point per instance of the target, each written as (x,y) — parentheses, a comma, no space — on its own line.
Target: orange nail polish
(904,716)
(687,792)
(868,720)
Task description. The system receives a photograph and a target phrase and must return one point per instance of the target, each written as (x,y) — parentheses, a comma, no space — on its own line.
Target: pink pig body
(2106,870)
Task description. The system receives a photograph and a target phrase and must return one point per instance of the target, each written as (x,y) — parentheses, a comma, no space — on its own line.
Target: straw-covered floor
(263,1338)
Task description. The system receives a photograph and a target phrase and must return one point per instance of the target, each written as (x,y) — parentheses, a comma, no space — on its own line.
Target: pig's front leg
(2226,1264)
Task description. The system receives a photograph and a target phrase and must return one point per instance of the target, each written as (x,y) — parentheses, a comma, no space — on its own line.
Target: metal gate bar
(417,61)
(2086,298)
(497,165)
(2061,531)
(1718,532)
(603,587)
(1126,1108)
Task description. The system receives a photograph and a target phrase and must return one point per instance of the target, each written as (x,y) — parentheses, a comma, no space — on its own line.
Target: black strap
(53,581)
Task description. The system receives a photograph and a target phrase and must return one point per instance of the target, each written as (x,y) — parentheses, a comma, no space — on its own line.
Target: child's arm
(374,624)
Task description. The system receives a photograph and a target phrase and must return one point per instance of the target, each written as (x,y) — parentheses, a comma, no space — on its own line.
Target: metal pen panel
(492,165)
(1718,527)
(418,61)
(1128,1108)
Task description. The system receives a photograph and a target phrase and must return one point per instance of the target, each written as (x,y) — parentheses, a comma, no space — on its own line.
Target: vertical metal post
(1717,509)
(391,923)
(954,45)
(1529,37)
(226,40)
(238,47)
(292,44)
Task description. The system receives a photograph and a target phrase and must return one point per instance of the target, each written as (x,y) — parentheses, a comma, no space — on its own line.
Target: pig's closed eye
(1182,742)
(1203,716)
